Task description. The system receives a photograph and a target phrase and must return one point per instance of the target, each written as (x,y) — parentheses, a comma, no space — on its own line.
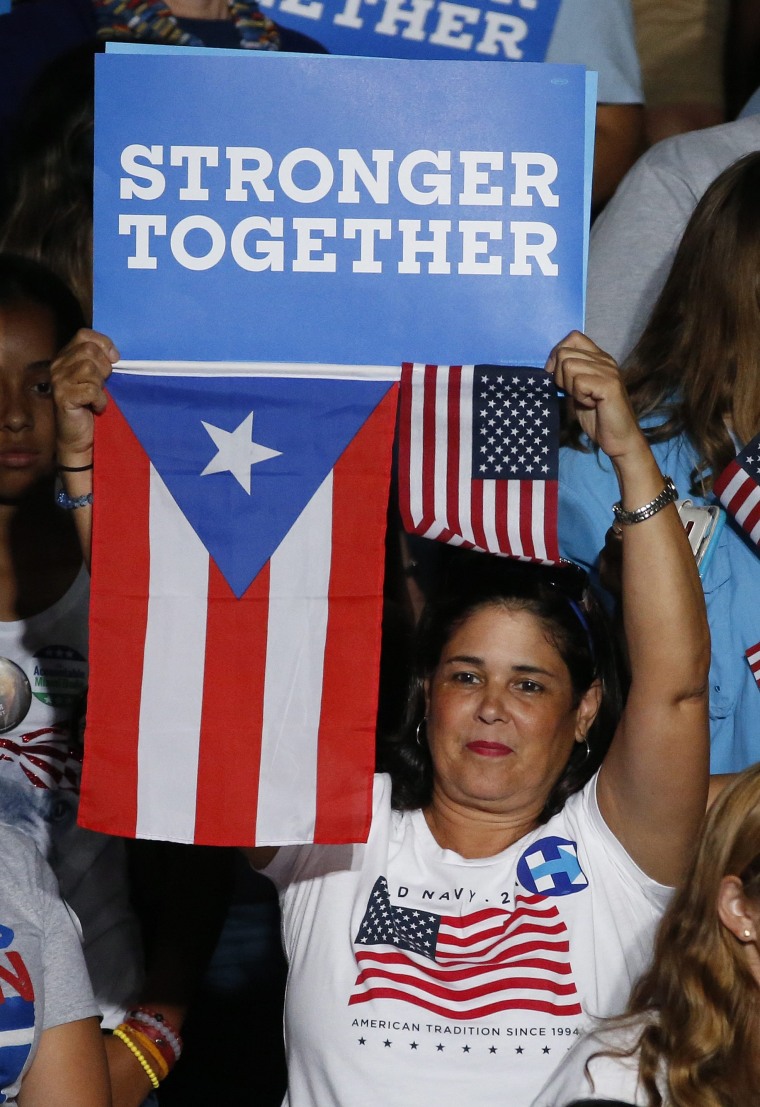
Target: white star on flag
(237,452)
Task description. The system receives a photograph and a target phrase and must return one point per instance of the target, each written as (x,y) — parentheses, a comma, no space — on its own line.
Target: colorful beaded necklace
(152,19)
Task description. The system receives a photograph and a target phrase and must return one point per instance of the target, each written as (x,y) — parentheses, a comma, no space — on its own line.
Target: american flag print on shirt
(45,756)
(465,966)
(738,489)
(753,660)
(479,456)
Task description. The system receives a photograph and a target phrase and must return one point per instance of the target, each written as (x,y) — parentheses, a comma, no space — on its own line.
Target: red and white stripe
(439,497)
(225,721)
(739,493)
(753,660)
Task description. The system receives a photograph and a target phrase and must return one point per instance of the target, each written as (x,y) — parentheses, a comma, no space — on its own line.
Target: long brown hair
(700,1000)
(696,367)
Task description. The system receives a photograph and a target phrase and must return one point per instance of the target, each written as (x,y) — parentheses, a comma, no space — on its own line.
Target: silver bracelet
(668,496)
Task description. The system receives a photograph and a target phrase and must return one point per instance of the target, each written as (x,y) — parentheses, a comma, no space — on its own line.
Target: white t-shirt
(39,789)
(611,1077)
(417,973)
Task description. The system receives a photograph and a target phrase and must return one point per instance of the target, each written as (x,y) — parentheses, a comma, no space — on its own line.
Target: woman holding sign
(522,846)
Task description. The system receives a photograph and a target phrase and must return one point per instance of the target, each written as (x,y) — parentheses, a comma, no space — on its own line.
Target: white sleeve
(633,243)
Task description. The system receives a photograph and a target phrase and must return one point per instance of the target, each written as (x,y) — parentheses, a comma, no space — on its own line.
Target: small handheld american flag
(478,458)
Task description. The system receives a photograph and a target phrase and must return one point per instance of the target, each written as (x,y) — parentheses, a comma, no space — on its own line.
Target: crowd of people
(577,741)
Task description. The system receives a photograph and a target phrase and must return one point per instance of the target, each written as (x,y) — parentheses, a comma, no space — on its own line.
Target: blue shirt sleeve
(600,35)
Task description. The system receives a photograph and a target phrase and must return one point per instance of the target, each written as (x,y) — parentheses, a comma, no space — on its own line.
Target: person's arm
(260,856)
(181,894)
(68,1068)
(619,141)
(78,377)
(652,786)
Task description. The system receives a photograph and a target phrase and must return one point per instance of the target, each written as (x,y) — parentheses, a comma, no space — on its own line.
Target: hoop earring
(419,728)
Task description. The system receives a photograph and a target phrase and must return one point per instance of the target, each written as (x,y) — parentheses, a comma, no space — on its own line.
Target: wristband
(668,495)
(158,1022)
(149,1050)
(119,1033)
(158,1040)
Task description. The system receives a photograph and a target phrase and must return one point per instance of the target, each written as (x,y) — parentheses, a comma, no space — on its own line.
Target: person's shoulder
(23,864)
(701,154)
(16,843)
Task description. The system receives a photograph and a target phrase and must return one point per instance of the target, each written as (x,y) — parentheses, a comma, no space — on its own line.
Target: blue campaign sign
(343,210)
(485,30)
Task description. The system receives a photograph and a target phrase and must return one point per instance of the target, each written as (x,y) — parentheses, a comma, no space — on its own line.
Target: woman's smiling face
(502,715)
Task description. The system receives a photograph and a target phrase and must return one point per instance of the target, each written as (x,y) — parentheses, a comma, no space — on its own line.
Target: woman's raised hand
(78,377)
(596,394)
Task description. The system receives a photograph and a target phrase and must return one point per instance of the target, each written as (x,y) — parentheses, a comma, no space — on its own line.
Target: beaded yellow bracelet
(119,1033)
(148,1048)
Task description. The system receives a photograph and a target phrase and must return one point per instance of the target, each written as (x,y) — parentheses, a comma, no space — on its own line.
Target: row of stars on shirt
(440,1047)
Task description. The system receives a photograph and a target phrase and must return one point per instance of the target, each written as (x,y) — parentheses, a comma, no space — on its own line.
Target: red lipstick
(489,749)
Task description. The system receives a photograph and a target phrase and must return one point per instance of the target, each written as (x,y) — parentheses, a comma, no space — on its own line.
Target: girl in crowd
(44,589)
(50,1034)
(692,1033)
(695,390)
(509,886)
(43,635)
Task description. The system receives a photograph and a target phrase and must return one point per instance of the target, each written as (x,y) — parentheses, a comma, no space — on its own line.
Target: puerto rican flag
(738,489)
(479,456)
(238,554)
(465,966)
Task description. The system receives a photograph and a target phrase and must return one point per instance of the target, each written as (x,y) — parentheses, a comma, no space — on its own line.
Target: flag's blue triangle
(242,456)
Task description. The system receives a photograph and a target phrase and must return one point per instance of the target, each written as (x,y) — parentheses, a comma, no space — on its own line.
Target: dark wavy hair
(23,280)
(561,600)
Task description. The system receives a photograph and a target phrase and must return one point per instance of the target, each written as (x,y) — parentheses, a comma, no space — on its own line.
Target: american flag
(753,660)
(465,966)
(238,547)
(478,458)
(738,489)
